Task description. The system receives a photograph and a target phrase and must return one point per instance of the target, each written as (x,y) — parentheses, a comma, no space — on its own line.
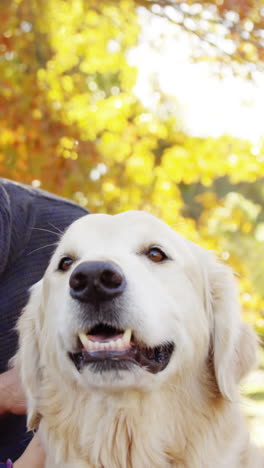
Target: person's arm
(11,396)
(33,457)
(12,401)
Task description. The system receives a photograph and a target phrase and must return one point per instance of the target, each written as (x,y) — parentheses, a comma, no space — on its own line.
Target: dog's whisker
(47,230)
(42,247)
(57,229)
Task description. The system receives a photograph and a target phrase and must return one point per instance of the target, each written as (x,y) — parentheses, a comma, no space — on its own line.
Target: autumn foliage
(70,121)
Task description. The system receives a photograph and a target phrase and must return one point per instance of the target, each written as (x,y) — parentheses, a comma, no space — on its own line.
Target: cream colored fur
(186,416)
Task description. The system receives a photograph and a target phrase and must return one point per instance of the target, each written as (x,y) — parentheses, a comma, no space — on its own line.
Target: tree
(233,28)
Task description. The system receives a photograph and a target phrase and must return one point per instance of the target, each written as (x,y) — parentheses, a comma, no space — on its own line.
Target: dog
(131,349)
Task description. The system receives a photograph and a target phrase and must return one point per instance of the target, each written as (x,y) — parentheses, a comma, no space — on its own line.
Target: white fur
(186,416)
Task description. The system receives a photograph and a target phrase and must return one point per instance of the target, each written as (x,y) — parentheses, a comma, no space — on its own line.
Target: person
(33,457)
(31,222)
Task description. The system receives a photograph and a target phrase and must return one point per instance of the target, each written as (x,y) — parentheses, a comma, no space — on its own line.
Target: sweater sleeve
(5,228)
(31,222)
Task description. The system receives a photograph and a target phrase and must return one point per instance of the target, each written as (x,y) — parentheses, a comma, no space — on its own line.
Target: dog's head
(127,303)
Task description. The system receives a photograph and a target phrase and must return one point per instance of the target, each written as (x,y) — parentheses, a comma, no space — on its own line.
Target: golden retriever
(131,350)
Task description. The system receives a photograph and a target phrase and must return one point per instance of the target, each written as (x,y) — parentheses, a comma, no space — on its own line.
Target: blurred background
(154,105)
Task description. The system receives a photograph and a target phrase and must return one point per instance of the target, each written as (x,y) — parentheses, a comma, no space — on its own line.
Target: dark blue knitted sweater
(30,221)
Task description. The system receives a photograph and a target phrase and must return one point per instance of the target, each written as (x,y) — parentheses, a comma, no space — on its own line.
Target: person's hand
(33,457)
(12,399)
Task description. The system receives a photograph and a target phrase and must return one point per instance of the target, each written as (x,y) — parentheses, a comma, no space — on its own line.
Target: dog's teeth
(119,343)
(84,340)
(127,336)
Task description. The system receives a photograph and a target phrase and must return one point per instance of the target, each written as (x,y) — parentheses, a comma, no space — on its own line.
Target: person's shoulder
(25,193)
(31,218)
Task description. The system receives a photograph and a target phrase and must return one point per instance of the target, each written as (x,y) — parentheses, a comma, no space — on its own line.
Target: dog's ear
(233,342)
(27,359)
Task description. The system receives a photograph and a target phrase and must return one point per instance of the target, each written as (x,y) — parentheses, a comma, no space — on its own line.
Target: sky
(208,105)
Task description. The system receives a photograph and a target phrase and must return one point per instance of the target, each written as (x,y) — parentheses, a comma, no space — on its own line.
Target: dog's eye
(65,263)
(156,255)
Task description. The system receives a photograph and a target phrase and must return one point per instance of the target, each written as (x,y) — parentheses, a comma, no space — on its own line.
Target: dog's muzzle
(104,345)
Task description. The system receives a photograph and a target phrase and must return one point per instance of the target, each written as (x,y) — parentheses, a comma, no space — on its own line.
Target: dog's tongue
(104,338)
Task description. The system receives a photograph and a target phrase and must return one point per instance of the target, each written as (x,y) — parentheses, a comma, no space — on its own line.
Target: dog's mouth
(107,348)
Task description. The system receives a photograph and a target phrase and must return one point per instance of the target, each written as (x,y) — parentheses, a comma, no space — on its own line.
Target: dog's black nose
(93,281)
